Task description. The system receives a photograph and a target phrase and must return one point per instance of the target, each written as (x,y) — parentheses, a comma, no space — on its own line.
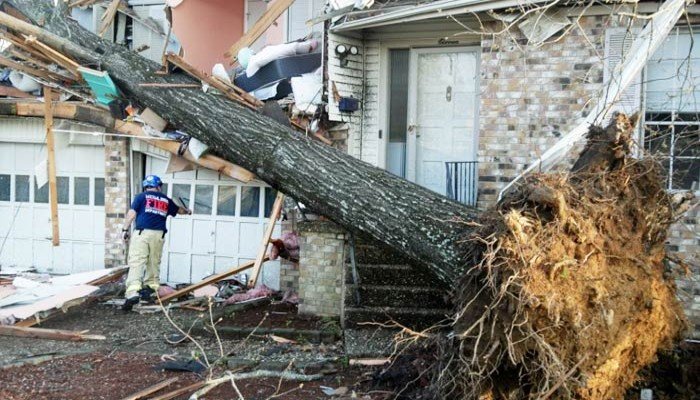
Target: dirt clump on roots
(570,293)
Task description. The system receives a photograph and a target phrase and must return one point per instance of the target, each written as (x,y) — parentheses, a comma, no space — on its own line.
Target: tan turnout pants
(144,261)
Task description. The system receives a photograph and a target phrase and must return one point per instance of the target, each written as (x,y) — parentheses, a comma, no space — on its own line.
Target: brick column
(116,198)
(321,268)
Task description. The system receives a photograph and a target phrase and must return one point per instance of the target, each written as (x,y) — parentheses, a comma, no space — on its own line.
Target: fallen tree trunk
(358,196)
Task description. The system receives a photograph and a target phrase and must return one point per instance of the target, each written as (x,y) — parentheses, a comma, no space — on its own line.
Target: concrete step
(396,296)
(377,254)
(391,274)
(414,318)
(368,342)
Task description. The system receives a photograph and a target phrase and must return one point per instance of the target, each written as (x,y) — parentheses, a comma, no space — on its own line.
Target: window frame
(674,121)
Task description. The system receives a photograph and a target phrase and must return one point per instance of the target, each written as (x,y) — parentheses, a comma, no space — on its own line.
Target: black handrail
(462,179)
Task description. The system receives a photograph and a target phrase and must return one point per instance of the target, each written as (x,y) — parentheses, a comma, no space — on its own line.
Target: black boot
(148,295)
(130,303)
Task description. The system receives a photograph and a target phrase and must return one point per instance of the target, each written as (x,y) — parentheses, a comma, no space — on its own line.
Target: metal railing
(462,179)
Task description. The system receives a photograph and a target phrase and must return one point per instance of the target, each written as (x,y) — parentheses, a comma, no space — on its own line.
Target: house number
(448,94)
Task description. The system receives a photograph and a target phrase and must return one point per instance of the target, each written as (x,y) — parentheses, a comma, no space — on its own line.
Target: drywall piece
(49,303)
(154,120)
(541,26)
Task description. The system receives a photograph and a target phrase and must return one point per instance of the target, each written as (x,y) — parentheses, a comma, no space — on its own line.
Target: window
(398,111)
(270,195)
(250,201)
(81,191)
(63,189)
(41,194)
(99,199)
(226,202)
(22,188)
(181,193)
(672,118)
(5,187)
(203,198)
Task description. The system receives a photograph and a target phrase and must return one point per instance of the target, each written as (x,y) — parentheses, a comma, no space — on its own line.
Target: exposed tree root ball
(569,295)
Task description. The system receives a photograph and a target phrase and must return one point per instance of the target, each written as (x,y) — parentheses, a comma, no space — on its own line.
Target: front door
(442,113)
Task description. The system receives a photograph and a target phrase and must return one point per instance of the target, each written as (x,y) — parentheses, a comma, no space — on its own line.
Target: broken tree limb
(99,116)
(41,333)
(209,280)
(259,259)
(178,392)
(151,389)
(286,375)
(407,217)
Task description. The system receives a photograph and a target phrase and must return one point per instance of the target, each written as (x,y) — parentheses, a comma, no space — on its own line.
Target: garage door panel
(42,223)
(65,223)
(251,235)
(202,266)
(84,161)
(7,161)
(63,258)
(31,233)
(7,211)
(222,264)
(24,158)
(202,236)
(43,254)
(22,229)
(98,226)
(98,256)
(179,267)
(82,257)
(180,233)
(7,256)
(226,238)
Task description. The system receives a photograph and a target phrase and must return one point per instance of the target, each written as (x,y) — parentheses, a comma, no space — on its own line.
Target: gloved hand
(126,235)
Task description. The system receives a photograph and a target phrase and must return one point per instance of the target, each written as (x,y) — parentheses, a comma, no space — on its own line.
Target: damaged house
(457,96)
(405,136)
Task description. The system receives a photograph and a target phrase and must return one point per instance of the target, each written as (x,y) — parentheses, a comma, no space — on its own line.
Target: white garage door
(25,225)
(225,229)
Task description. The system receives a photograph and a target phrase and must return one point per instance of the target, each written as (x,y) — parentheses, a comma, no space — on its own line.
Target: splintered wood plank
(209,280)
(51,164)
(274,215)
(268,18)
(212,81)
(151,389)
(108,17)
(55,56)
(41,333)
(178,392)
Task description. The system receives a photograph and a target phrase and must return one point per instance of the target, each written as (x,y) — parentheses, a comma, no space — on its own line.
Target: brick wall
(530,97)
(116,198)
(684,242)
(321,268)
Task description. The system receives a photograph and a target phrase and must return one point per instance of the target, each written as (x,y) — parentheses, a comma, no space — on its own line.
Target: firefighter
(150,209)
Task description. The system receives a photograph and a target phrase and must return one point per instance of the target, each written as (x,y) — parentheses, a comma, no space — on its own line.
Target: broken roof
(399,11)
